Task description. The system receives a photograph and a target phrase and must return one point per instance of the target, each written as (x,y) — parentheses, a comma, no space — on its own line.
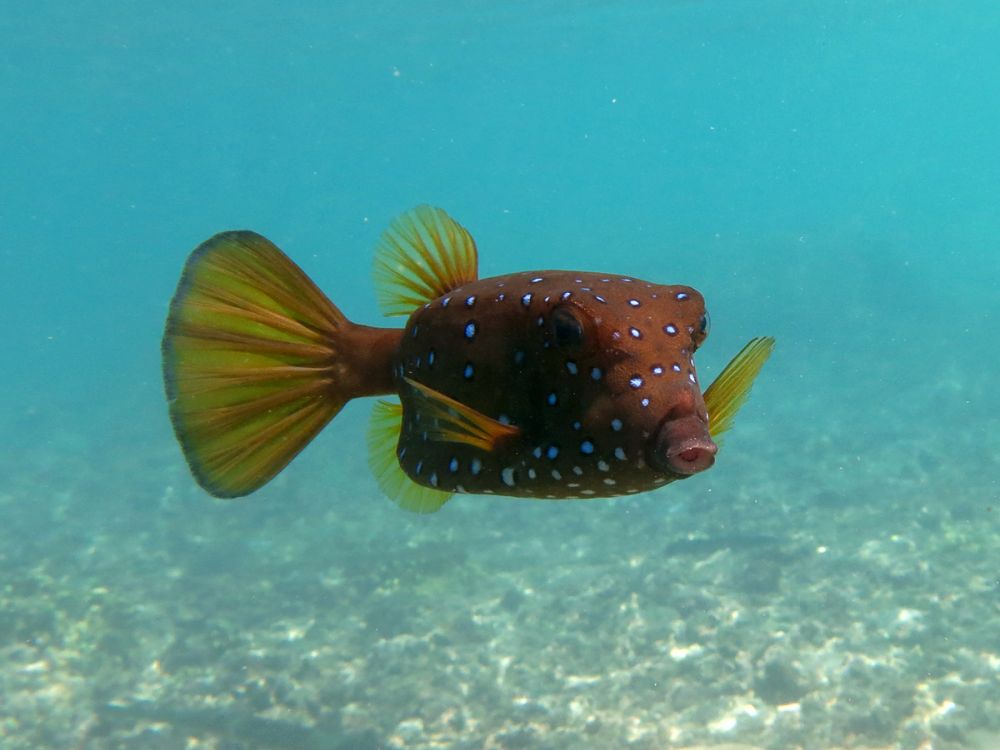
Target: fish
(547,384)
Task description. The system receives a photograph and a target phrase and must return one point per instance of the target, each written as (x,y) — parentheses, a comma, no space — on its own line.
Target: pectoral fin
(729,391)
(449,421)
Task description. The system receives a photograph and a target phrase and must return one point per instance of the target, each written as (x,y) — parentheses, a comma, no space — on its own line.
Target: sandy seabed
(834,604)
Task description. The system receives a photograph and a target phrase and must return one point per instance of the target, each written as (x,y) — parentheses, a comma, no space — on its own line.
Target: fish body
(586,366)
(543,384)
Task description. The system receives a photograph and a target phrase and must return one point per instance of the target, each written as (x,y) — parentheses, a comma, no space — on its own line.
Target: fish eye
(567,327)
(701,332)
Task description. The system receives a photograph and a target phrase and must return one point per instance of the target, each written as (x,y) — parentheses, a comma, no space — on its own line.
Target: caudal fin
(248,362)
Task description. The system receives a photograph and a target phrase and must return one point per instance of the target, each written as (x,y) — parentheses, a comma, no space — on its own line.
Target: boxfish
(539,384)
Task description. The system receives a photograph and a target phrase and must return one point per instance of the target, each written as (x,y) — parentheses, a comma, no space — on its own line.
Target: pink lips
(684,447)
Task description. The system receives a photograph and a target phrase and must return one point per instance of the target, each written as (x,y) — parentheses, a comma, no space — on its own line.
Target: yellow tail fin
(247,362)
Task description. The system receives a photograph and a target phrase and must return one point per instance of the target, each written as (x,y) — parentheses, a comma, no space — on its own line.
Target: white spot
(537,453)
(445,301)
(670,329)
(657,369)
(603,465)
(552,452)
(578,471)
(430,358)
(501,297)
(476,466)
(635,381)
(682,295)
(635,333)
(644,402)
(574,485)
(610,482)
(586,447)
(556,475)
(620,454)
(536,279)
(600,299)
(692,378)
(616,424)
(453,465)
(587,492)
(470,300)
(565,296)
(434,479)
(571,367)
(459,488)
(634,302)
(532,474)
(526,299)
(503,419)
(470,329)
(596,373)
(508,476)
(675,367)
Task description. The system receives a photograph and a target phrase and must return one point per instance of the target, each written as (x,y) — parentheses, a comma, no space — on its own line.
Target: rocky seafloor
(849,600)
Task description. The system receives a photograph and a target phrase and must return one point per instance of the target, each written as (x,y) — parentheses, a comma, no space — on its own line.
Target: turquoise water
(823,172)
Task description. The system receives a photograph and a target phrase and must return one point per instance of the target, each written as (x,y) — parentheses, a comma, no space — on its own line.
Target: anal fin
(383,435)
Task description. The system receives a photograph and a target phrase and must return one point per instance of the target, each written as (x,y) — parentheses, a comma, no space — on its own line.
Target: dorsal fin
(383,435)
(729,391)
(423,255)
(449,421)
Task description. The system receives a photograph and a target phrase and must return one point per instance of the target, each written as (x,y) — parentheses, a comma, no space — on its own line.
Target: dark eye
(706,325)
(567,327)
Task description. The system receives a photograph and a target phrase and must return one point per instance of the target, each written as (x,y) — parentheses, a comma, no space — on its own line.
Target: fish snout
(683,446)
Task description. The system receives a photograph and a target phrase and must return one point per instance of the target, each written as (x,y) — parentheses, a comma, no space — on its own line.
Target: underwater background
(824,172)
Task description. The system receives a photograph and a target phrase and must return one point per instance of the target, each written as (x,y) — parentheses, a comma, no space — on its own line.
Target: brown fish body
(545,384)
(589,367)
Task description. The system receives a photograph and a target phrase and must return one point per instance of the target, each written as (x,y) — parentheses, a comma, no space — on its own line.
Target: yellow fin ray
(247,356)
(383,435)
(423,255)
(450,421)
(729,391)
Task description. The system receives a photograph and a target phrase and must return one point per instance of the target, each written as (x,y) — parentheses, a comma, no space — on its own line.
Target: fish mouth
(683,446)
